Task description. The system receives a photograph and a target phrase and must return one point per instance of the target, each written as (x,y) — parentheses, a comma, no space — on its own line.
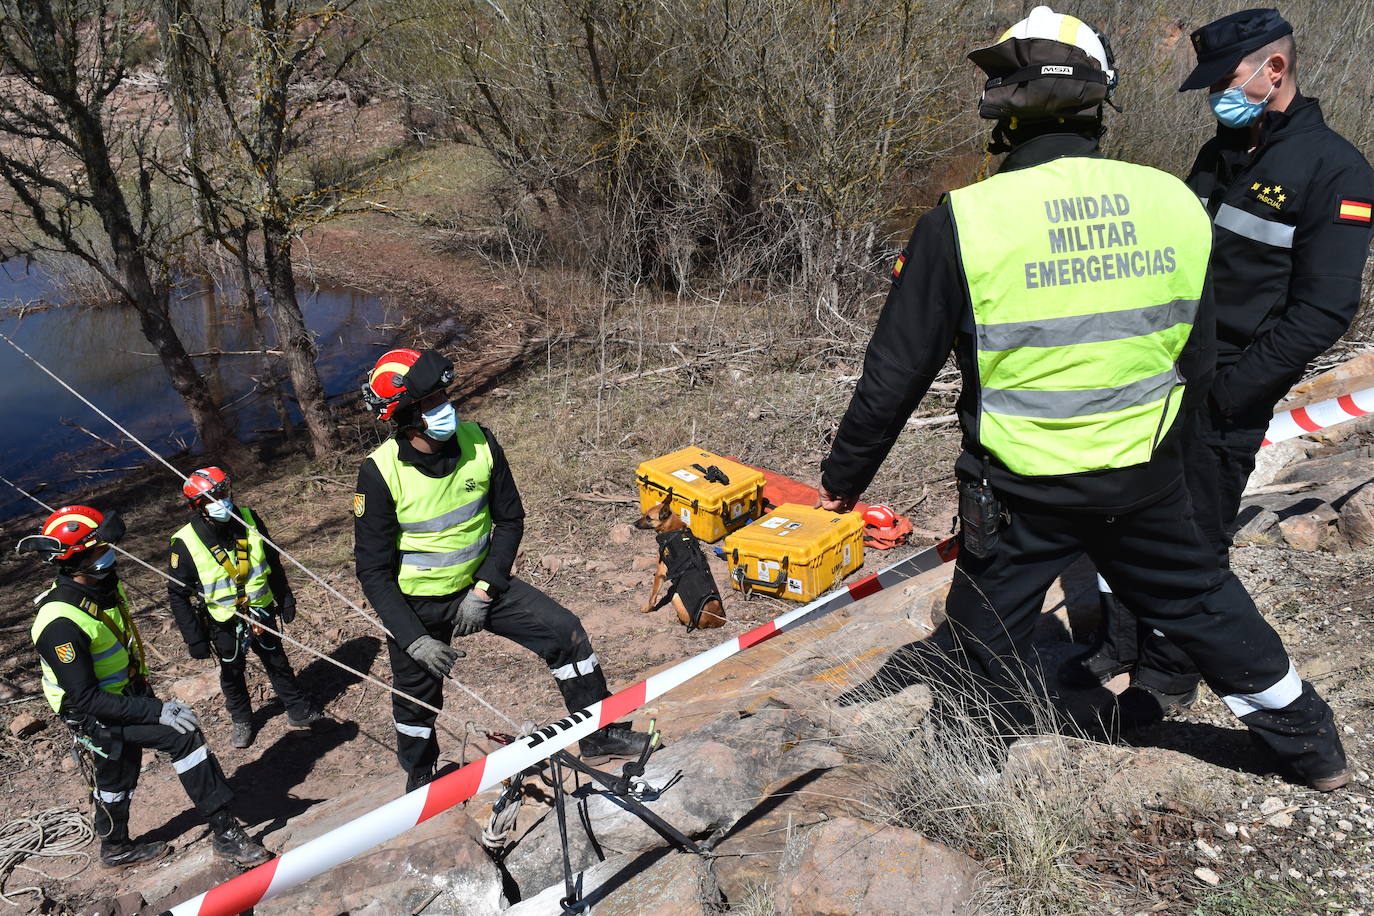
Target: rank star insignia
(1267,191)
(1281,198)
(66,653)
(1278,189)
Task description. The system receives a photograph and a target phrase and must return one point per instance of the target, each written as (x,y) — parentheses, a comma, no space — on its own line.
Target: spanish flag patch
(1354,211)
(66,653)
(897,268)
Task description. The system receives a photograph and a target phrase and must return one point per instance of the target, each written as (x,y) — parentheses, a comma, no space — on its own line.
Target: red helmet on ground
(880,517)
(403,377)
(72,530)
(206,484)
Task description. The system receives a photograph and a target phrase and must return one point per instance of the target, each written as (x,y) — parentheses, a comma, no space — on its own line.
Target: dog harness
(688,575)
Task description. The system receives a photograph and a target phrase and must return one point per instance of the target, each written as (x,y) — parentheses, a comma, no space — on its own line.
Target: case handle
(748,583)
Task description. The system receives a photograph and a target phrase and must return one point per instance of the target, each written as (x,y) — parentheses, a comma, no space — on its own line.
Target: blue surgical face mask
(221,510)
(1233,107)
(441,422)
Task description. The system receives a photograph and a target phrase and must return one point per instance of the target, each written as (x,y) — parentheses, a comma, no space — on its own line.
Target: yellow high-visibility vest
(1085,276)
(445,523)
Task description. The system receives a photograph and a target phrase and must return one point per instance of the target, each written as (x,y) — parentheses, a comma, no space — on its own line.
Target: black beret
(1222,44)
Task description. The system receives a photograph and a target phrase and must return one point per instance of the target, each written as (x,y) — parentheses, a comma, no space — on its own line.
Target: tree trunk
(248,290)
(295,339)
(150,301)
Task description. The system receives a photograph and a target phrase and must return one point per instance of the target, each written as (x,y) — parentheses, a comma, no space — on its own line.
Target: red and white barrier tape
(1293,423)
(298,865)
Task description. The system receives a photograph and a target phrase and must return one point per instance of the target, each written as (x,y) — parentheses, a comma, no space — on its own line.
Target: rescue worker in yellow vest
(96,679)
(438,520)
(1074,290)
(220,568)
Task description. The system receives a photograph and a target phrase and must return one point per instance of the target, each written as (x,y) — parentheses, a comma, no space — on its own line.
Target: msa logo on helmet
(1056,70)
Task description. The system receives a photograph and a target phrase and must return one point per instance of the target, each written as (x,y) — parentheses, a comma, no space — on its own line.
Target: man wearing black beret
(1290,201)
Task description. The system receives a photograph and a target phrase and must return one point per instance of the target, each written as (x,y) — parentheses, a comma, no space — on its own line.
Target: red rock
(24,725)
(854,866)
(1357,518)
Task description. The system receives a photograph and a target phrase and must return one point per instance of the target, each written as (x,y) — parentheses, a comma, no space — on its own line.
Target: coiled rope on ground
(54,833)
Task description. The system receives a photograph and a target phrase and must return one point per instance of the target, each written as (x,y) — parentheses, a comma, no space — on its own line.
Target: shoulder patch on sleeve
(1354,211)
(359,504)
(66,653)
(897,268)
(176,558)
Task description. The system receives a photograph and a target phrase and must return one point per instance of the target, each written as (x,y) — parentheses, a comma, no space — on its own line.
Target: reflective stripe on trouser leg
(414,731)
(1287,689)
(191,760)
(1102,585)
(111,798)
(1302,734)
(577,669)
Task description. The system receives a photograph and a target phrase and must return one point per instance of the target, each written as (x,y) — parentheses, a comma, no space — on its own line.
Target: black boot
(1140,707)
(116,849)
(242,735)
(615,740)
(419,778)
(233,844)
(304,718)
(1092,670)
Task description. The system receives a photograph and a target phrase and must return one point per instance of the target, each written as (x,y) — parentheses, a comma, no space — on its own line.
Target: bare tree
(64,158)
(245,111)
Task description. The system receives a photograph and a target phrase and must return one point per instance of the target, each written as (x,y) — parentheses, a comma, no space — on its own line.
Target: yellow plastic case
(795,552)
(711,508)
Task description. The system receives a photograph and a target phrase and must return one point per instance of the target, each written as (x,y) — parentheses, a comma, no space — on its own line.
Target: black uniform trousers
(117,771)
(522,614)
(1220,457)
(231,640)
(1160,562)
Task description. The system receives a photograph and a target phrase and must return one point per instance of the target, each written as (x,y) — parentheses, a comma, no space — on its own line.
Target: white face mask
(221,510)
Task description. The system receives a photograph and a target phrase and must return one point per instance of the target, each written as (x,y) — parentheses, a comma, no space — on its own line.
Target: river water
(102,353)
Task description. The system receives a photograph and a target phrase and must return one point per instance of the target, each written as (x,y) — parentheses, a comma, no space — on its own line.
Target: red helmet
(402,377)
(72,530)
(880,517)
(206,484)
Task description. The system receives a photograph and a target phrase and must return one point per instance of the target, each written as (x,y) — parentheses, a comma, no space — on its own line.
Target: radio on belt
(795,552)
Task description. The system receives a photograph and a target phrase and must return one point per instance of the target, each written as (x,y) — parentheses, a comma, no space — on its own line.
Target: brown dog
(691,587)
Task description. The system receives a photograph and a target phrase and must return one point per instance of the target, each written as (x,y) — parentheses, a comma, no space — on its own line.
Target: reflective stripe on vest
(445,523)
(109,654)
(220,589)
(1085,276)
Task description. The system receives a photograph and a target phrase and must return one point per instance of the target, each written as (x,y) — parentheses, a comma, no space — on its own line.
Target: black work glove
(198,649)
(435,657)
(286,610)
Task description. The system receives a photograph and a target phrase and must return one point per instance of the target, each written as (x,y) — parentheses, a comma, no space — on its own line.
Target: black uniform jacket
(1286,265)
(928,312)
(77,677)
(185,593)
(376,532)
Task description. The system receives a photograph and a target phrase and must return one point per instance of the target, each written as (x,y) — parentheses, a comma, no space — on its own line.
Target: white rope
(280,550)
(52,833)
